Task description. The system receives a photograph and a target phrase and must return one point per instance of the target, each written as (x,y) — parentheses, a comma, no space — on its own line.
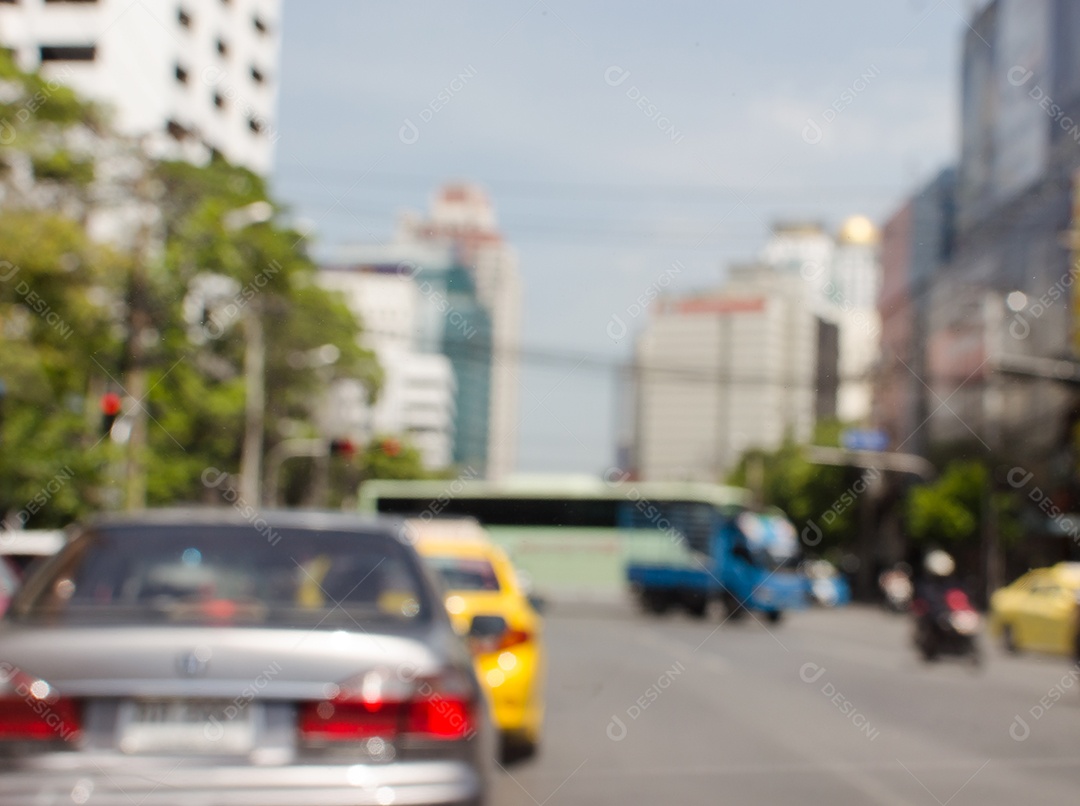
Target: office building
(189,78)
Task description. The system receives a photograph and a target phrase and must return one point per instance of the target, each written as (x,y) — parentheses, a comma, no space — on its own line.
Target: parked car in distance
(1038,611)
(192,656)
(487,603)
(825,584)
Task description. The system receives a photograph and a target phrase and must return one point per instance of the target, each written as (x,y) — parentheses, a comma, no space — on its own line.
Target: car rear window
(229,574)
(465,574)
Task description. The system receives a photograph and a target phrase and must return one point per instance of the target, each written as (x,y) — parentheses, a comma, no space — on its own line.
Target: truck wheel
(774,616)
(696,606)
(655,603)
(733,608)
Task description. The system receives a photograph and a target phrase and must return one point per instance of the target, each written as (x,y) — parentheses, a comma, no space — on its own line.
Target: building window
(183,18)
(177,131)
(223,47)
(181,74)
(219,100)
(260,24)
(68,53)
(257,75)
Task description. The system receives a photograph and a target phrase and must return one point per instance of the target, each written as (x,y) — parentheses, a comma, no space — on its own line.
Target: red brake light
(440,717)
(342,720)
(32,719)
(426,708)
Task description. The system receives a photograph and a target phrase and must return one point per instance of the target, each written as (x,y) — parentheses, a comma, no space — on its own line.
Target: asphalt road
(829,707)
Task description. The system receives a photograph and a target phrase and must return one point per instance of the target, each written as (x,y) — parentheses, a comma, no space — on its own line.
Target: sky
(626,146)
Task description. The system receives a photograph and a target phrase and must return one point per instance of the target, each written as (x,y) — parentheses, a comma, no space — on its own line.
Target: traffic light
(110,409)
(342,447)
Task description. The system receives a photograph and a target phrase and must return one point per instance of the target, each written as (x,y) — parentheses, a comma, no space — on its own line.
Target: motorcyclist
(929,603)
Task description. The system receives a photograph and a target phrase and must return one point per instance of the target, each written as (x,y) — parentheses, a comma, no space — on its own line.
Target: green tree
(950,511)
(821,500)
(265,272)
(57,289)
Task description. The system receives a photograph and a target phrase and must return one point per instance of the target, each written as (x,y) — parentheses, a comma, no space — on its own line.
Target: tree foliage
(66,304)
(821,500)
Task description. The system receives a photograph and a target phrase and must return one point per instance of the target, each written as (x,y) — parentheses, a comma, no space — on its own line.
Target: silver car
(194,658)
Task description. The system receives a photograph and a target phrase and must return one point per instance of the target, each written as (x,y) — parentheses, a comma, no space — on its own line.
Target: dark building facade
(1020,148)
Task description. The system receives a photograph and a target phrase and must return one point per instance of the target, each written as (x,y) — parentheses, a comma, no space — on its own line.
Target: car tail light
(492,634)
(513,638)
(343,720)
(441,716)
(32,710)
(439,707)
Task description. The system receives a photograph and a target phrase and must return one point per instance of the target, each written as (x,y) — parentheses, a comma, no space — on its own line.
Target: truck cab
(749,562)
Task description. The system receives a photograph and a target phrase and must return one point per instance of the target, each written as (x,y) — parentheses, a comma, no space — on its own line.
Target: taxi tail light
(513,637)
(439,707)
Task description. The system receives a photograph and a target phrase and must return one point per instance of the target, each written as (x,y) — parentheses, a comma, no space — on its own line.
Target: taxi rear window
(465,574)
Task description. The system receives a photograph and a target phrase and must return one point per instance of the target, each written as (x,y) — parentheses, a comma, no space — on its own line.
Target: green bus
(573,535)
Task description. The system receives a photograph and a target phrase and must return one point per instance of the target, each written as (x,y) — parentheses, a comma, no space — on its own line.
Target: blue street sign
(864,439)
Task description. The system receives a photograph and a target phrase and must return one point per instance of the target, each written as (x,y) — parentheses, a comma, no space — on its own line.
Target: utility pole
(138,339)
(255,405)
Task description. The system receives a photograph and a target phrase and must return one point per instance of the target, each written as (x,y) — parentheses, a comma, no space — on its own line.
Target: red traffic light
(342,447)
(110,404)
(110,410)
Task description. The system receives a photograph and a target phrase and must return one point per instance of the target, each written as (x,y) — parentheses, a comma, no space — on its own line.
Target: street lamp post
(254,367)
(254,405)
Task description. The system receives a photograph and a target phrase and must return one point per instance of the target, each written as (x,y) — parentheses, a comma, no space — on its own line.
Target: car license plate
(212,727)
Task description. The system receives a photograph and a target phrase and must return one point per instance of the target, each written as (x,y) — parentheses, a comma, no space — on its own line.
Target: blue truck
(748,561)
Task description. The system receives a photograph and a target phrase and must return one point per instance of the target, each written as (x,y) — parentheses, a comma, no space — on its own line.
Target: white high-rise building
(856,280)
(190,76)
(842,275)
(722,372)
(417,397)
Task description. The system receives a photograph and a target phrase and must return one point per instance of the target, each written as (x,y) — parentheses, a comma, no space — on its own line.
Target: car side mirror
(487,627)
(538,603)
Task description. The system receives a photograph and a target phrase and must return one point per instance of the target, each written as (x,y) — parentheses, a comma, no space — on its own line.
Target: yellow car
(1038,611)
(487,603)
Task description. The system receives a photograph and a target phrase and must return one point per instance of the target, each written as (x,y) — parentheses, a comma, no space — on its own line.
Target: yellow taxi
(486,602)
(1038,611)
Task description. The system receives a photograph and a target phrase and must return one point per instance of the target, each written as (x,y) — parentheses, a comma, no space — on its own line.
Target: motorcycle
(951,628)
